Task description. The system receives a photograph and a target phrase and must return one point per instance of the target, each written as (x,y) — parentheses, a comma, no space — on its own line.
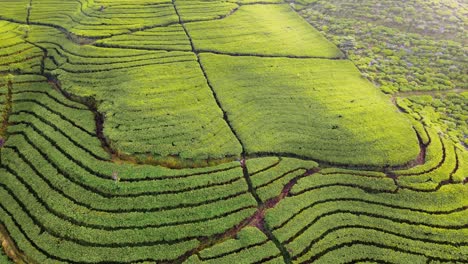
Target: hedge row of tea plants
(341,175)
(300,106)
(329,218)
(260,30)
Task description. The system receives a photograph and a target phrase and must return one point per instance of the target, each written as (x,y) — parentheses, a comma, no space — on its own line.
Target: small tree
(7,109)
(348,43)
(115,177)
(9,79)
(23,31)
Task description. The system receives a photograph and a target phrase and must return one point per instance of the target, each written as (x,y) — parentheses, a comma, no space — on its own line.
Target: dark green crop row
(324,216)
(4,259)
(117,217)
(100,194)
(249,246)
(269,183)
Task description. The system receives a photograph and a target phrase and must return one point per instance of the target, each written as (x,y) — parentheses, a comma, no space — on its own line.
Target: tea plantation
(221,131)
(416,49)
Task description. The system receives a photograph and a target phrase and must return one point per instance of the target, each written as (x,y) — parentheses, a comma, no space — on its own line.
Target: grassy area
(319,109)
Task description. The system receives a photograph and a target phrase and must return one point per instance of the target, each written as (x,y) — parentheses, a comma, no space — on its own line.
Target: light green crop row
(88,20)
(269,183)
(381,239)
(16,55)
(190,10)
(439,174)
(78,118)
(360,252)
(14,9)
(46,91)
(60,227)
(434,155)
(309,191)
(301,107)
(249,246)
(160,38)
(422,222)
(117,211)
(62,251)
(166,193)
(260,29)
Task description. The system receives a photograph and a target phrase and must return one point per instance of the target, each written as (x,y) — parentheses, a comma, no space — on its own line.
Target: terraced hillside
(207,131)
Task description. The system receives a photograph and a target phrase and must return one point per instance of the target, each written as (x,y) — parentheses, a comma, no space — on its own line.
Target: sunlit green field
(210,132)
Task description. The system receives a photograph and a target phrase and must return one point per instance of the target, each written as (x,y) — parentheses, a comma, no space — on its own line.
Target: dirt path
(10,248)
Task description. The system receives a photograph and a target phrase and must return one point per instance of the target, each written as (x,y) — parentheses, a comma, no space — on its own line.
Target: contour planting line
(374,244)
(215,96)
(28,9)
(144,28)
(6,113)
(285,56)
(256,220)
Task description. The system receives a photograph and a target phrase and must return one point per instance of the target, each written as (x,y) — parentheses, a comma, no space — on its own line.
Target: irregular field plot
(173,116)
(332,217)
(15,53)
(155,103)
(159,38)
(87,19)
(61,205)
(191,10)
(260,29)
(320,109)
(14,9)
(250,246)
